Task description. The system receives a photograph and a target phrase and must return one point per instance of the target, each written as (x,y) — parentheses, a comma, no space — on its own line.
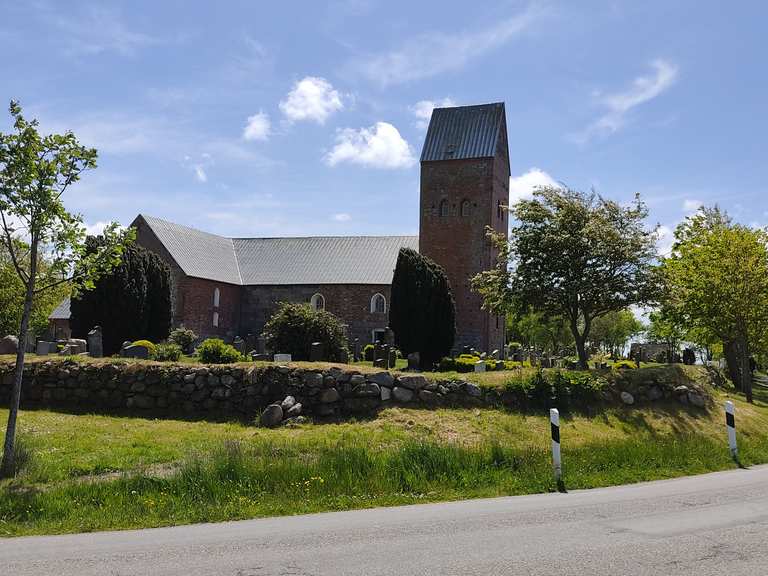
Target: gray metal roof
(276,261)
(61,312)
(463,132)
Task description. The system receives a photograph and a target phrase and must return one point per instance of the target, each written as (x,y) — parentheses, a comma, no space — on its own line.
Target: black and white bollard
(554,423)
(730,423)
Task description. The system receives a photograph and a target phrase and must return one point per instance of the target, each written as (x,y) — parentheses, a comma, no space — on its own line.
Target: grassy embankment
(92,472)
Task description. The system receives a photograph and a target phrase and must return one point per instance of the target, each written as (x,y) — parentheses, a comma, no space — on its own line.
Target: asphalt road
(711,524)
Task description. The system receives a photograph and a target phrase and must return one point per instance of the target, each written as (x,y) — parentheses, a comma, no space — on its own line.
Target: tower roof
(464,132)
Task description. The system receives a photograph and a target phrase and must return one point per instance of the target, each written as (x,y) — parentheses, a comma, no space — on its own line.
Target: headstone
(316,352)
(95,342)
(356,350)
(282,358)
(260,357)
(466,350)
(389,337)
(380,363)
(31,341)
(132,351)
(480,366)
(392,357)
(500,365)
(414,361)
(344,356)
(250,341)
(376,351)
(495,354)
(261,344)
(45,348)
(239,344)
(9,345)
(77,345)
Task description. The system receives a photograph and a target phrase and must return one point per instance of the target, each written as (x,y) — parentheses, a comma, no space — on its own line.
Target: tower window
(317,302)
(378,304)
(215,319)
(466,208)
(216,297)
(444,208)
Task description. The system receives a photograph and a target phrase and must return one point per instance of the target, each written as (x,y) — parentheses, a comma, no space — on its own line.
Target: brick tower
(464,184)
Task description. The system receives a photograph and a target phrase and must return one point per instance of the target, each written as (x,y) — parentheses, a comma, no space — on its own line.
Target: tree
(131,302)
(612,331)
(35,171)
(572,254)
(12,297)
(665,330)
(294,327)
(716,281)
(422,312)
(538,332)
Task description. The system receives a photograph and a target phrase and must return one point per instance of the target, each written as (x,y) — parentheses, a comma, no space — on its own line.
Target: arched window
(318,302)
(466,208)
(378,304)
(444,208)
(216,297)
(215,319)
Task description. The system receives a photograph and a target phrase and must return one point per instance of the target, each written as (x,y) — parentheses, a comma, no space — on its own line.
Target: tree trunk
(732,361)
(742,351)
(7,467)
(581,341)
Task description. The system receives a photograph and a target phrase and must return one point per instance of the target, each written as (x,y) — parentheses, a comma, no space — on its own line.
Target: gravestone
(239,344)
(495,354)
(45,348)
(76,345)
(380,363)
(9,345)
(392,358)
(260,357)
(261,344)
(480,366)
(414,361)
(250,342)
(376,351)
(31,341)
(344,356)
(95,342)
(282,358)
(466,350)
(316,352)
(356,350)
(133,351)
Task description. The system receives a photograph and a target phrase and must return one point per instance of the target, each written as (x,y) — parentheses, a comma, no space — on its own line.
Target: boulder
(294,411)
(627,398)
(288,403)
(272,416)
(412,382)
(655,393)
(132,351)
(696,399)
(382,379)
(429,398)
(329,395)
(9,345)
(472,390)
(402,394)
(386,393)
(367,389)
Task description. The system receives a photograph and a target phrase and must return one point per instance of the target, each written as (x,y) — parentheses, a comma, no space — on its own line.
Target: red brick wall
(458,242)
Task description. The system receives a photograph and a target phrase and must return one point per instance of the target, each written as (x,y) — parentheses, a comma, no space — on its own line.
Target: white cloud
(433,53)
(522,187)
(341,217)
(257,127)
(95,229)
(311,99)
(379,146)
(423,110)
(619,104)
(691,206)
(665,237)
(200,173)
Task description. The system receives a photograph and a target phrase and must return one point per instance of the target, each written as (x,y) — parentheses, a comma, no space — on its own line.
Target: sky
(307,118)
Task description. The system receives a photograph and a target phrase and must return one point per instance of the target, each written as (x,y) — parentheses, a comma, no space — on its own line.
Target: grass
(91,472)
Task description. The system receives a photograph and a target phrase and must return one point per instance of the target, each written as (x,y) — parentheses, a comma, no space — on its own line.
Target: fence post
(730,423)
(554,422)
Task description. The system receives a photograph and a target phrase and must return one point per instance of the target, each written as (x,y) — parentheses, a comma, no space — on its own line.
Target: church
(230,287)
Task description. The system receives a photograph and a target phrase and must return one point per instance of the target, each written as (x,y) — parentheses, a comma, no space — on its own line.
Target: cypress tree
(422,312)
(133,302)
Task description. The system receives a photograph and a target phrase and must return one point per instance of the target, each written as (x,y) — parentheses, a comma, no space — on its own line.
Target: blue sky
(302,118)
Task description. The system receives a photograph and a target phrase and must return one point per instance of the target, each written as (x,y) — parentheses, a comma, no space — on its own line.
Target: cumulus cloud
(423,110)
(200,173)
(341,217)
(691,206)
(433,53)
(522,187)
(257,127)
(379,146)
(618,104)
(311,98)
(665,237)
(96,229)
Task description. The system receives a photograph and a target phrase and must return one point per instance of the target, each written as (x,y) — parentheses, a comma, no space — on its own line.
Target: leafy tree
(717,283)
(35,171)
(538,332)
(612,331)
(131,302)
(665,330)
(422,312)
(294,327)
(572,254)
(12,297)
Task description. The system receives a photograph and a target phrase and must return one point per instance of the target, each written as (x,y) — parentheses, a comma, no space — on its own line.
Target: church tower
(464,187)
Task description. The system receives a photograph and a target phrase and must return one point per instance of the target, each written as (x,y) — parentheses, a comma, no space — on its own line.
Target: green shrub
(184,338)
(215,351)
(622,364)
(561,389)
(368,353)
(446,364)
(294,327)
(167,352)
(151,348)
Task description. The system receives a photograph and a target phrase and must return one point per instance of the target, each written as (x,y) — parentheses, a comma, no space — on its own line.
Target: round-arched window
(216,297)
(378,304)
(444,208)
(318,302)
(466,208)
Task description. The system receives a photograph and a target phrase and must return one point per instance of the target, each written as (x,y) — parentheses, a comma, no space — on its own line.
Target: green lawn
(92,472)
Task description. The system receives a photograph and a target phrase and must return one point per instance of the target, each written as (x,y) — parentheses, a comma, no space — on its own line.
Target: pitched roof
(464,132)
(281,261)
(61,312)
